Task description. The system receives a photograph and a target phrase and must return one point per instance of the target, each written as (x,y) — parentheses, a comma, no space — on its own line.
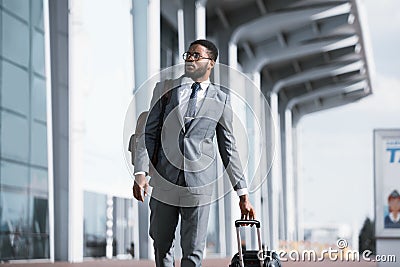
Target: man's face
(201,68)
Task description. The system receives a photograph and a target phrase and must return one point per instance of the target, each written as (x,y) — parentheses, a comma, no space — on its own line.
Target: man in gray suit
(185,171)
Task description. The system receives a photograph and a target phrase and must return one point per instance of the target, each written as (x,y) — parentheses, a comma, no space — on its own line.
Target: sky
(335,146)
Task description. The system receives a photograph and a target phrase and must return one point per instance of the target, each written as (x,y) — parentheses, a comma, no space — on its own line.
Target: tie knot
(195,88)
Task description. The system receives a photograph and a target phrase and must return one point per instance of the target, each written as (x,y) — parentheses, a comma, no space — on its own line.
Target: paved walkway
(206,263)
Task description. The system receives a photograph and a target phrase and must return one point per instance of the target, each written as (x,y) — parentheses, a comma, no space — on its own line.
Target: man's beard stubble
(197,73)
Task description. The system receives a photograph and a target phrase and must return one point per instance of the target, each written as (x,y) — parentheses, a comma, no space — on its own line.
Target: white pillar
(153,37)
(78,85)
(255,151)
(146,41)
(146,44)
(181,34)
(275,174)
(200,20)
(232,55)
(290,190)
(298,185)
(238,86)
(266,142)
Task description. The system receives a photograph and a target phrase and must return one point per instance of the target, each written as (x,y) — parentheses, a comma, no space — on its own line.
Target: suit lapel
(175,100)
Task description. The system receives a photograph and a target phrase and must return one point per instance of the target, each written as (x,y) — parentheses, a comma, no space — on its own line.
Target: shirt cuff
(242,191)
(136,173)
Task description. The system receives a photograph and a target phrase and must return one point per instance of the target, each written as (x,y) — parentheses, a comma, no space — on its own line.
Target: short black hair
(212,49)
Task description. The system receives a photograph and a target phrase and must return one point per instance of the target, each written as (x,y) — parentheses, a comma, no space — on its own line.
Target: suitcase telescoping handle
(241,223)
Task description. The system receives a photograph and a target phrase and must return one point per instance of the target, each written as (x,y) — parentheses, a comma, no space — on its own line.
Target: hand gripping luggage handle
(241,223)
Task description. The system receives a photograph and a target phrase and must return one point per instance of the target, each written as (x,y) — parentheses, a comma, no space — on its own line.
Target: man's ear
(212,63)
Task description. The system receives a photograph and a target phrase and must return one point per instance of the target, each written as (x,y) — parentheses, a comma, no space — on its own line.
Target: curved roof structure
(309,52)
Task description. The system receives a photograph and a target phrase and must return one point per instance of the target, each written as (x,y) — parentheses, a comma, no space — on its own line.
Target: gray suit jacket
(192,151)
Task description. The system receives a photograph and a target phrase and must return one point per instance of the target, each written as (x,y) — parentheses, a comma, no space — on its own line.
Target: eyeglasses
(195,56)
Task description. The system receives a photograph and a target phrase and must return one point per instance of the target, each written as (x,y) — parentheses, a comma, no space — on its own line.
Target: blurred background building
(62,165)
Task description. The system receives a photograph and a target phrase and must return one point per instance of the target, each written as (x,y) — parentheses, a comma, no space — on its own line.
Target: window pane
(95,206)
(24,246)
(39,99)
(37,13)
(123,225)
(15,46)
(14,174)
(14,212)
(39,179)
(39,215)
(39,247)
(18,7)
(39,144)
(15,88)
(14,137)
(6,247)
(38,52)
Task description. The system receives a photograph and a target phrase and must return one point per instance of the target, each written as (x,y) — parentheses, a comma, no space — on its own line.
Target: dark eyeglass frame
(195,56)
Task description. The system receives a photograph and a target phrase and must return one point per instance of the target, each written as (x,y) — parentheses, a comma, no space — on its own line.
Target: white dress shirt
(393,219)
(184,92)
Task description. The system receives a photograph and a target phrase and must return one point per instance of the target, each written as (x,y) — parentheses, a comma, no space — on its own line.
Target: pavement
(206,263)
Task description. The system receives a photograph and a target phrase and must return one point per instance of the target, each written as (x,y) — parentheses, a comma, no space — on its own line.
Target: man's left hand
(140,184)
(246,209)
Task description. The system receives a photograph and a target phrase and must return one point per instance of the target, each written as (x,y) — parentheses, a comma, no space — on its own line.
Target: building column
(77,88)
(58,28)
(201,19)
(274,178)
(256,151)
(297,187)
(181,34)
(194,22)
(146,45)
(267,140)
(283,160)
(146,41)
(189,19)
(289,190)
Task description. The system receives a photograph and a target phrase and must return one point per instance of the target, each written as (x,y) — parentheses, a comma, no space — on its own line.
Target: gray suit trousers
(164,220)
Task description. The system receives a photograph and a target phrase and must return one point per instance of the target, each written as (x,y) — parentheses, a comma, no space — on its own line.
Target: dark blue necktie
(191,110)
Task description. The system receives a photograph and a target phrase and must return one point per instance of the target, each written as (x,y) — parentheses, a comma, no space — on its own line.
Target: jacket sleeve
(142,160)
(146,143)
(227,147)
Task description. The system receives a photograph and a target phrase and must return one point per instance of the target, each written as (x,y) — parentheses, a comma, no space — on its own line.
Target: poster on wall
(387,182)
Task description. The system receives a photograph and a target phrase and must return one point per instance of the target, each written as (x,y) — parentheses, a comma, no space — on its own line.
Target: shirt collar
(395,220)
(203,85)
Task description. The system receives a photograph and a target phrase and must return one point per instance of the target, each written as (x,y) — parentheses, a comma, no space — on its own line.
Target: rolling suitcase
(253,258)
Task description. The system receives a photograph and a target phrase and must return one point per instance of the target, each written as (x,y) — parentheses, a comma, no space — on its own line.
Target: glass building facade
(24,198)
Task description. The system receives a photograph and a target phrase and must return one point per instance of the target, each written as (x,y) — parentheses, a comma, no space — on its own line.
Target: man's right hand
(140,184)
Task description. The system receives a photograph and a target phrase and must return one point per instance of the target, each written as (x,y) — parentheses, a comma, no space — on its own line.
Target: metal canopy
(299,47)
